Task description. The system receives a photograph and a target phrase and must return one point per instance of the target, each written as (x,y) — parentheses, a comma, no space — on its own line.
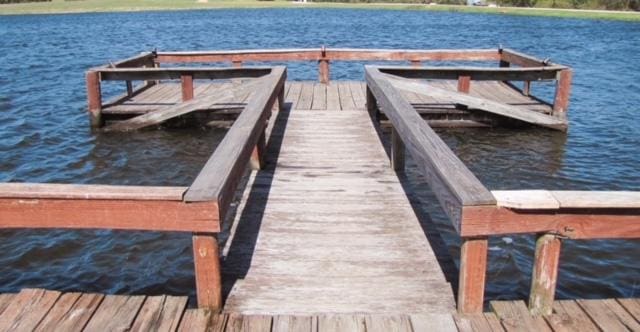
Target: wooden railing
(477,213)
(198,209)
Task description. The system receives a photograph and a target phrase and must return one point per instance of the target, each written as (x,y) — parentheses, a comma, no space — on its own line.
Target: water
(45,135)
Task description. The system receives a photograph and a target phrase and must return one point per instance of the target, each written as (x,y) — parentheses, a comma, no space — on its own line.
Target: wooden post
(187,86)
(527,88)
(129,88)
(207,270)
(563,90)
(257,155)
(94,98)
(473,270)
(545,274)
(464,83)
(281,106)
(397,151)
(237,63)
(372,106)
(323,71)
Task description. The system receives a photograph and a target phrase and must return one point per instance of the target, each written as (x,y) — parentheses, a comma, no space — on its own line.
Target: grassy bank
(81,6)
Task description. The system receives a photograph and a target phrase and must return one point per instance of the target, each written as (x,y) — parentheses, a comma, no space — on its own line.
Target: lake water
(45,137)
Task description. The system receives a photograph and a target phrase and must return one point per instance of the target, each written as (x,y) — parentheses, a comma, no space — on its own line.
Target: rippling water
(45,135)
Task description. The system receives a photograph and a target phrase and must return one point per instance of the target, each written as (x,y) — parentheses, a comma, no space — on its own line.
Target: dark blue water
(45,137)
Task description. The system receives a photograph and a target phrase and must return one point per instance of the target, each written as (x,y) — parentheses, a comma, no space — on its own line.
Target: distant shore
(87,6)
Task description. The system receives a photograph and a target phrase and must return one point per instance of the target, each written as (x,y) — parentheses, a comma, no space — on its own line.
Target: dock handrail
(477,213)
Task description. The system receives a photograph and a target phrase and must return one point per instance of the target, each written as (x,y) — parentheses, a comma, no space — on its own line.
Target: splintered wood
(336,232)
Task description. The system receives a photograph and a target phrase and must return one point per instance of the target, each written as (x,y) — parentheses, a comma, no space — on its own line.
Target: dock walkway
(335,230)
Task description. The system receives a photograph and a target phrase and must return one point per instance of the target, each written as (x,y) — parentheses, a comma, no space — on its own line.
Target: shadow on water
(240,250)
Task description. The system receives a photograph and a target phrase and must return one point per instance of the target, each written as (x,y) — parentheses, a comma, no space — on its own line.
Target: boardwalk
(334,231)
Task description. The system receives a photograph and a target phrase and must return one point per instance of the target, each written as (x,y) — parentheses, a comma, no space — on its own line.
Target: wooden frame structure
(147,67)
(198,209)
(477,213)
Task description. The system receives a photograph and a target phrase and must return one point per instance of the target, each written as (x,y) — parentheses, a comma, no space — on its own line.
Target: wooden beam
(520,59)
(563,91)
(175,73)
(397,151)
(89,192)
(545,274)
(219,177)
(473,270)
(451,181)
(206,260)
(482,104)
(476,73)
(94,98)
(186,80)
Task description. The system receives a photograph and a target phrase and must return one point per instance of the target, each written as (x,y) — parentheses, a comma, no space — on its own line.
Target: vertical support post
(372,106)
(323,71)
(415,63)
(129,88)
(206,260)
(563,90)
(397,151)
(257,155)
(94,98)
(473,270)
(281,99)
(187,86)
(527,88)
(545,274)
(464,84)
(236,63)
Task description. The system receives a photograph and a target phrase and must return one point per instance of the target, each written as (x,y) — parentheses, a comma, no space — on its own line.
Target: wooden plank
(358,94)
(520,59)
(433,322)
(602,315)
(526,199)
(206,260)
(476,73)
(289,323)
(385,323)
(632,306)
(159,116)
(89,191)
(570,317)
(624,316)
(218,322)
(597,199)
(545,274)
(473,270)
(493,322)
(472,322)
(195,320)
(122,306)
(306,96)
(319,97)
(481,104)
(175,73)
(294,94)
(452,182)
(109,214)
(516,317)
(71,312)
(27,309)
(160,313)
(333,97)
(257,323)
(5,301)
(345,96)
(341,323)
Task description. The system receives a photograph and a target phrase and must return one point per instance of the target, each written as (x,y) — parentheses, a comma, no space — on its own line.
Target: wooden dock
(42,310)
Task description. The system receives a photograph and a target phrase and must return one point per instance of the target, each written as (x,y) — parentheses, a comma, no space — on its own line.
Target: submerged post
(94,98)
(545,274)
(563,90)
(206,261)
(473,270)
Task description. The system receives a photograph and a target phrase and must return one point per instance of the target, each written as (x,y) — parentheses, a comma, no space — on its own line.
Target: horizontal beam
(578,223)
(89,191)
(148,74)
(477,73)
(337,54)
(452,182)
(567,199)
(142,59)
(521,59)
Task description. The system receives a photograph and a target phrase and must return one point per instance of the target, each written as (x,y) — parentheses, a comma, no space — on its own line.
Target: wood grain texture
(26,309)
(160,313)
(71,312)
(545,274)
(89,191)
(125,308)
(516,317)
(195,320)
(473,271)
(526,199)
(206,260)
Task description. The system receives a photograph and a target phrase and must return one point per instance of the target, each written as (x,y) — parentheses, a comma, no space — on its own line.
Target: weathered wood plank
(545,274)
(333,97)
(473,270)
(358,94)
(306,96)
(481,104)
(89,191)
(476,73)
(384,323)
(341,323)
(175,73)
(526,199)
(433,322)
(71,312)
(206,261)
(195,320)
(160,313)
(602,315)
(632,306)
(5,300)
(346,98)
(294,94)
(516,317)
(287,323)
(27,309)
(597,199)
(124,307)
(624,316)
(319,97)
(257,323)
(569,316)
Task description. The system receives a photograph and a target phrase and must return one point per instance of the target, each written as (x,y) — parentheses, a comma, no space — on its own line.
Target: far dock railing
(477,213)
(198,209)
(150,62)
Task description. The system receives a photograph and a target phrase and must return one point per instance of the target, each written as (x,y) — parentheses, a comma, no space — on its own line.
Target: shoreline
(96,6)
